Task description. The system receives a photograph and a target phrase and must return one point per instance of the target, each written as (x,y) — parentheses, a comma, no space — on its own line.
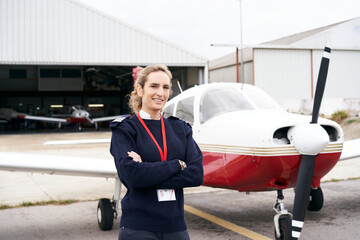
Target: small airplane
(78,114)
(268,148)
(249,144)
(7,115)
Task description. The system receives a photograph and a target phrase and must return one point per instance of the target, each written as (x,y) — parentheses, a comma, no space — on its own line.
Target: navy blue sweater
(141,209)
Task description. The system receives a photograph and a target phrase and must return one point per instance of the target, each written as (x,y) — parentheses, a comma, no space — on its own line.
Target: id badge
(166,195)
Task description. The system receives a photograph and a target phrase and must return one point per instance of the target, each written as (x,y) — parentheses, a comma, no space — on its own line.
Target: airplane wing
(57,164)
(80,141)
(351,149)
(44,119)
(102,119)
(94,167)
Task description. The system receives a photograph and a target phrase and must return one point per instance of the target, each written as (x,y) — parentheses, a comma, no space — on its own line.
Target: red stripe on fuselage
(76,120)
(260,173)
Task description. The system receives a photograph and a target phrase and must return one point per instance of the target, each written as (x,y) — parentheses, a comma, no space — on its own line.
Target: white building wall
(228,74)
(286,75)
(342,90)
(68,32)
(344,73)
(248,73)
(283,73)
(225,74)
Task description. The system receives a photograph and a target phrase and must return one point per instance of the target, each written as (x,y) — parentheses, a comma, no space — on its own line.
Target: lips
(158,100)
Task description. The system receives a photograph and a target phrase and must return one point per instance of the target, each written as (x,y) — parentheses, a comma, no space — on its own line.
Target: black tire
(105,214)
(285,228)
(316,200)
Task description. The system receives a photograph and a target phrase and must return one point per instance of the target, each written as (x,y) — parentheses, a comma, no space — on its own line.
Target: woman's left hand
(136,157)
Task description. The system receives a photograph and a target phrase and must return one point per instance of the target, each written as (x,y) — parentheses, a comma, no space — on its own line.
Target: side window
(168,111)
(185,110)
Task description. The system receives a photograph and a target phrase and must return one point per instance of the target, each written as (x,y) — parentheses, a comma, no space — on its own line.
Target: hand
(183,165)
(136,157)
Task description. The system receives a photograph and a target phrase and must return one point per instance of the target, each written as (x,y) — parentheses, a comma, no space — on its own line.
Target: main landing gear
(316,200)
(283,218)
(107,210)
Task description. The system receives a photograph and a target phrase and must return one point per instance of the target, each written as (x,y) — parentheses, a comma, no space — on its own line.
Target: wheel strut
(116,198)
(282,215)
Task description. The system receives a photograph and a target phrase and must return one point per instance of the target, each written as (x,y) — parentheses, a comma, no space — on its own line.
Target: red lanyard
(163,155)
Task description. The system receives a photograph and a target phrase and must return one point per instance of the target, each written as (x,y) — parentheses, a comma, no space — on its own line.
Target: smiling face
(155,93)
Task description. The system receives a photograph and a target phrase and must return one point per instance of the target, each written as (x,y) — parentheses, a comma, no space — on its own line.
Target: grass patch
(50,202)
(334,180)
(350,121)
(354,178)
(339,180)
(40,203)
(5,206)
(339,116)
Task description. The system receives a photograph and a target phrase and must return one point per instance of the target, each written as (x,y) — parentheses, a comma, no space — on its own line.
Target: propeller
(309,140)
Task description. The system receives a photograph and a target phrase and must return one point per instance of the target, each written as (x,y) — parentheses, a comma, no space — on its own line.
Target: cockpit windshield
(261,100)
(218,101)
(78,108)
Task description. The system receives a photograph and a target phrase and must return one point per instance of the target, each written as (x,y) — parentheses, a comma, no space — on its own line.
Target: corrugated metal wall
(344,73)
(224,74)
(228,74)
(283,73)
(286,75)
(67,32)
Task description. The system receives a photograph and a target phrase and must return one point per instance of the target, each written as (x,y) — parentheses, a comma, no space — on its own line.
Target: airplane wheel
(316,200)
(105,214)
(285,228)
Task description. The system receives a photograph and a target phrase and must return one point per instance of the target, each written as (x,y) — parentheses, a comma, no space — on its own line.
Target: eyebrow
(157,84)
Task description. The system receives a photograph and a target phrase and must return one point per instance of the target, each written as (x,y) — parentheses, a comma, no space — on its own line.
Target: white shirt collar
(145,115)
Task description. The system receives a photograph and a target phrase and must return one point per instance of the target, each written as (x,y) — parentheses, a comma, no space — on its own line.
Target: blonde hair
(135,101)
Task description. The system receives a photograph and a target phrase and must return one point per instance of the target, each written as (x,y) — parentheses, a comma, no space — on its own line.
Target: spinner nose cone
(309,139)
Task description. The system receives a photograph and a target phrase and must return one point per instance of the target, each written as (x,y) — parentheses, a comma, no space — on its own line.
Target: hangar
(61,53)
(287,68)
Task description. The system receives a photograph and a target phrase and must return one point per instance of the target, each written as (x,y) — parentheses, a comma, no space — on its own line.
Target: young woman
(155,159)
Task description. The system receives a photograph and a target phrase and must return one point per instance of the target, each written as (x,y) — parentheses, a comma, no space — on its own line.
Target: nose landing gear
(282,219)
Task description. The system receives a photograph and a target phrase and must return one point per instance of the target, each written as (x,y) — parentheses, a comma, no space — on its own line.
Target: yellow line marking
(228,225)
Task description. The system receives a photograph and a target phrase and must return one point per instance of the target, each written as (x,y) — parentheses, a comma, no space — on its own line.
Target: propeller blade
(307,163)
(320,86)
(302,193)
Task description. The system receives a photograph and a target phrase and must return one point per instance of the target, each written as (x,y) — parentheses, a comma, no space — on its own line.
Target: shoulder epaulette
(173,118)
(119,120)
(177,121)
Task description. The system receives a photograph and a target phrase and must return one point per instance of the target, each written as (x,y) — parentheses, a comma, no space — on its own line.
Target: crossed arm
(166,175)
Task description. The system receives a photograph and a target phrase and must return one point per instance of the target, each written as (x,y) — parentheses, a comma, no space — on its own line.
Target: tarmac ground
(339,218)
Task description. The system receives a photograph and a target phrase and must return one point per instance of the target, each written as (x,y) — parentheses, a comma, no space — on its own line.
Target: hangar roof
(299,36)
(342,35)
(67,32)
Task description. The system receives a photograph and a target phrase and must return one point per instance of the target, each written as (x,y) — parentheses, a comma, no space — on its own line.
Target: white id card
(166,195)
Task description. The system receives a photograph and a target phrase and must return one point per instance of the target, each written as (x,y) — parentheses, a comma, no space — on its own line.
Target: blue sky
(195,24)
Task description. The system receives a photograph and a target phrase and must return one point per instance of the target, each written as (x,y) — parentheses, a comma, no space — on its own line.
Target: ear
(139,90)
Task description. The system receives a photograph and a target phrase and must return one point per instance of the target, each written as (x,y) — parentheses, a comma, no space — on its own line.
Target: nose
(160,93)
